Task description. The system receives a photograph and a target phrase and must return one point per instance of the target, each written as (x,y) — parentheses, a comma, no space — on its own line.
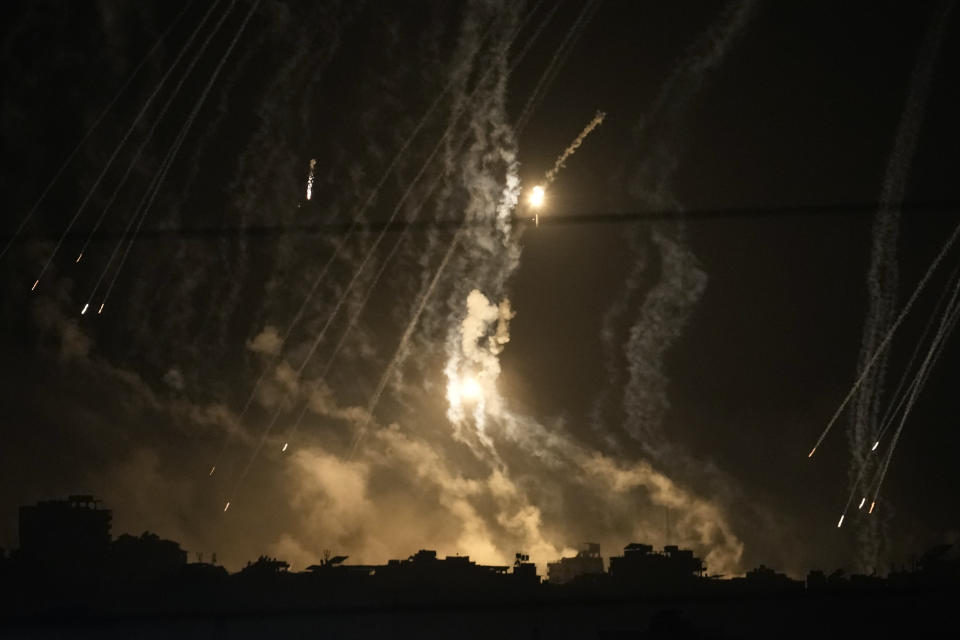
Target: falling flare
(284,447)
(79,256)
(35,284)
(839,524)
(85,307)
(812,451)
(226,507)
(875,445)
(100,310)
(212,469)
(313,163)
(871,507)
(861,502)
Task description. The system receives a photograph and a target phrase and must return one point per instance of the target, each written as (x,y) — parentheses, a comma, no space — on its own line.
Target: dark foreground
(917,613)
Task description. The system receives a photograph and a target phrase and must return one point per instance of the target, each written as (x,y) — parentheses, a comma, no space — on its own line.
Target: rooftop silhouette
(69,563)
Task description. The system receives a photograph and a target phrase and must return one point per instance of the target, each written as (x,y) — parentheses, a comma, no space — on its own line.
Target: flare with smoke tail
(313,164)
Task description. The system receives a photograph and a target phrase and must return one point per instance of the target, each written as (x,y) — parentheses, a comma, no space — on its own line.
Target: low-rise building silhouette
(588,561)
(765,579)
(425,570)
(147,557)
(640,566)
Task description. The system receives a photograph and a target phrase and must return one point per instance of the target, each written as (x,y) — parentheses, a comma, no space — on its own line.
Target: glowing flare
(839,524)
(861,502)
(812,451)
(284,447)
(212,469)
(79,256)
(470,390)
(313,163)
(537,196)
(226,507)
(875,445)
(35,284)
(85,307)
(871,507)
(100,310)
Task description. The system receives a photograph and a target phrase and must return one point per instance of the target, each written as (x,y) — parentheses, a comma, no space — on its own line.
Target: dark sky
(660,368)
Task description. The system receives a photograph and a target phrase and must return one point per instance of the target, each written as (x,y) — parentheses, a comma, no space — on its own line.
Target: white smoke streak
(882,276)
(665,310)
(569,151)
(484,332)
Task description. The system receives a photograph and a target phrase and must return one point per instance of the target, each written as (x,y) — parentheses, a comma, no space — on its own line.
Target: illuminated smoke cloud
(267,342)
(472,371)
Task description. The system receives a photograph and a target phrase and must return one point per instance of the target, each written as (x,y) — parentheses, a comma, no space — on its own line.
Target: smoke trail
(181,136)
(360,269)
(155,182)
(666,308)
(485,154)
(882,276)
(93,127)
(503,216)
(404,339)
(123,141)
(146,141)
(569,151)
(902,392)
(947,325)
(563,51)
(888,336)
(458,74)
(264,166)
(948,320)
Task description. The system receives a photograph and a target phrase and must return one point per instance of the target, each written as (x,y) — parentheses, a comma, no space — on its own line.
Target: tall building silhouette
(64,536)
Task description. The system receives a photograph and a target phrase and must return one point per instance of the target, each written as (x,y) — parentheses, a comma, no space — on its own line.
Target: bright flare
(313,163)
(100,310)
(812,451)
(861,502)
(875,445)
(212,469)
(35,284)
(79,256)
(537,197)
(226,507)
(871,507)
(284,447)
(839,524)
(85,307)
(470,390)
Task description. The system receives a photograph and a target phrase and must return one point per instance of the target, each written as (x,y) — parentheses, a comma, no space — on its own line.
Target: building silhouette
(146,557)
(641,567)
(588,561)
(65,536)
(68,565)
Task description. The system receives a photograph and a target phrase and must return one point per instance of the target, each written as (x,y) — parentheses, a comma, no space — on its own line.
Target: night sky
(652,363)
